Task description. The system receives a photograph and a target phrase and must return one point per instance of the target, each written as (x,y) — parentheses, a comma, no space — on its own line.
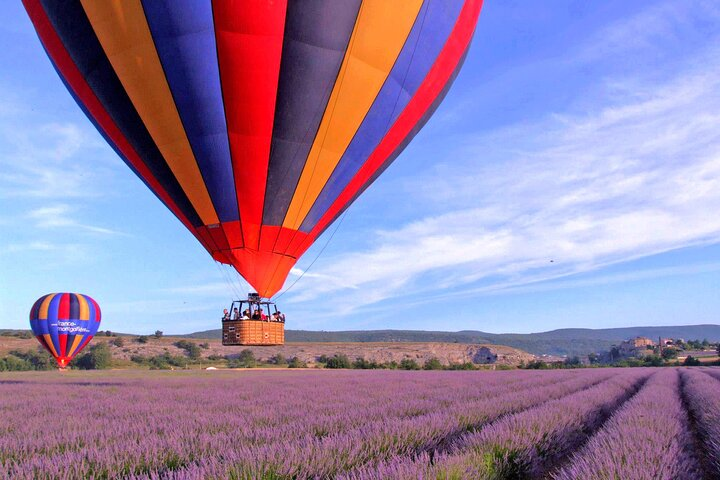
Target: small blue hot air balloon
(64,323)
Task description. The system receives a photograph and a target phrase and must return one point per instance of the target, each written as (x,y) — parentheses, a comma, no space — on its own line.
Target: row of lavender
(648,436)
(242,424)
(669,431)
(359,425)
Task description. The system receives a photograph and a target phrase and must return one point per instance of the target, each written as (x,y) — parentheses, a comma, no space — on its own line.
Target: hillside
(567,341)
(308,352)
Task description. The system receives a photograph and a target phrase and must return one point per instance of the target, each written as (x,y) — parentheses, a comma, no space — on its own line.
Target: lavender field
(566,424)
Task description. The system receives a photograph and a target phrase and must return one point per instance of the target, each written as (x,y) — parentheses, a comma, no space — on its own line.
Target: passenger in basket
(256,314)
(263,317)
(274,317)
(236,314)
(246,314)
(281,316)
(226,315)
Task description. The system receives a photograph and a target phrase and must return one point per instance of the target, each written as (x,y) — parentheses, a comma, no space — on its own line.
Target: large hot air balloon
(64,323)
(257,122)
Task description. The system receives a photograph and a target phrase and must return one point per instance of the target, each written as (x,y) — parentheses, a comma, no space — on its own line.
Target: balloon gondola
(257,123)
(64,323)
(253,322)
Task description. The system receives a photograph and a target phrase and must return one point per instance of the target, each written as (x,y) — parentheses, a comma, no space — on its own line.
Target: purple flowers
(648,438)
(327,424)
(703,401)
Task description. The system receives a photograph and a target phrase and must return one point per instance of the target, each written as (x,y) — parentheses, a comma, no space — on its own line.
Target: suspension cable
(316,258)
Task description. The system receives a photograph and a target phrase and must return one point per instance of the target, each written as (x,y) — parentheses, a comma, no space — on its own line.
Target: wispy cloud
(45,178)
(30,246)
(39,162)
(662,25)
(64,216)
(47,255)
(633,175)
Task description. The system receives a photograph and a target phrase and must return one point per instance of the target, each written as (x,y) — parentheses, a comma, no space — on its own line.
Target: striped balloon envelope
(64,323)
(257,122)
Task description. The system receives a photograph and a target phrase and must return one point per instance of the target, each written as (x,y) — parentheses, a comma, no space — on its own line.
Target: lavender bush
(300,424)
(522,445)
(647,439)
(241,423)
(702,393)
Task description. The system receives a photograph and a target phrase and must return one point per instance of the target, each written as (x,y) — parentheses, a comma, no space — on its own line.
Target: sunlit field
(591,423)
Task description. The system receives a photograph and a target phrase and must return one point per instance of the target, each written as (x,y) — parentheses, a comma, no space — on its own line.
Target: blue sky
(571,178)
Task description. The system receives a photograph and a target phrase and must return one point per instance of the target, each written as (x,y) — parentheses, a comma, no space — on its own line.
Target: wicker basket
(253,332)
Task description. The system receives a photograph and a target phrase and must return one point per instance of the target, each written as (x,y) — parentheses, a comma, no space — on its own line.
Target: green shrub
(432,364)
(362,364)
(537,365)
(669,353)
(98,357)
(339,360)
(12,363)
(140,359)
(183,344)
(157,363)
(409,364)
(193,351)
(462,366)
(142,339)
(653,361)
(573,362)
(278,359)
(38,359)
(246,359)
(691,361)
(118,341)
(158,334)
(295,362)
(162,362)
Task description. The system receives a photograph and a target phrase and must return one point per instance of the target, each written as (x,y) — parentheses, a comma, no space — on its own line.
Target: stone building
(636,347)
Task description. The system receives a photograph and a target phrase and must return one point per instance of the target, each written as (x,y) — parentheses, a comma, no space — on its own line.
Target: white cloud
(633,276)
(655,27)
(47,255)
(635,176)
(64,216)
(40,162)
(36,246)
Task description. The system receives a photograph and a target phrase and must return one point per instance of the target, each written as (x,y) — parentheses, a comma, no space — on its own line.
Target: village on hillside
(675,350)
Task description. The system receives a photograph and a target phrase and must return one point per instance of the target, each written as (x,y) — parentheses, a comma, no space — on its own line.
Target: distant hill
(566,341)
